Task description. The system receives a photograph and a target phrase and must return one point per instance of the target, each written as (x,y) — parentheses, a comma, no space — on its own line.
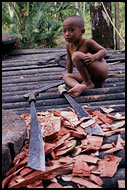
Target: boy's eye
(71,30)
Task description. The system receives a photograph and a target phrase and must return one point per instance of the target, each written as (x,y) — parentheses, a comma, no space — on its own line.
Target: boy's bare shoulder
(92,45)
(89,41)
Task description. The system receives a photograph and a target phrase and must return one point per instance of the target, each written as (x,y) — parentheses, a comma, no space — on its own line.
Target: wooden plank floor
(26,70)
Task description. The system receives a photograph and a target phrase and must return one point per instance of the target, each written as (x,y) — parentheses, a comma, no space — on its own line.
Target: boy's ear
(83,31)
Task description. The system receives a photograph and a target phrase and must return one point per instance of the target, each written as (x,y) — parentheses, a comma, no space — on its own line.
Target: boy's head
(77,20)
(73,28)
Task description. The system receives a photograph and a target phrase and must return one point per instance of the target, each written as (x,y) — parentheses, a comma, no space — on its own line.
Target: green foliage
(34,23)
(39,24)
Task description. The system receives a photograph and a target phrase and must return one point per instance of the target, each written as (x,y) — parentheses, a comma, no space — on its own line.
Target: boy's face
(72,31)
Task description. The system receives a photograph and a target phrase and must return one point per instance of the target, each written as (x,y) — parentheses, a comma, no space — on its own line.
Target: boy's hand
(89,58)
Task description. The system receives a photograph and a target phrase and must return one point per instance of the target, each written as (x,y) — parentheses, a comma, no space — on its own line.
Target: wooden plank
(31,72)
(35,85)
(50,95)
(26,67)
(24,80)
(61,101)
(36,51)
(56,68)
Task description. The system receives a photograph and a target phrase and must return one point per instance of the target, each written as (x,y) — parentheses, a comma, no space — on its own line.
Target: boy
(86,55)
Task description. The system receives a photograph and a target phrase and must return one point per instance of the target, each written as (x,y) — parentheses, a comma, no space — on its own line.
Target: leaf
(35,30)
(6,19)
(67,177)
(76,151)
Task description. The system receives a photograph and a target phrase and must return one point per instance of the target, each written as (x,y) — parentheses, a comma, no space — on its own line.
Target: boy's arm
(100,51)
(69,61)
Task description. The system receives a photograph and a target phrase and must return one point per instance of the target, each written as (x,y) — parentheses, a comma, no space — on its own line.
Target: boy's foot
(79,88)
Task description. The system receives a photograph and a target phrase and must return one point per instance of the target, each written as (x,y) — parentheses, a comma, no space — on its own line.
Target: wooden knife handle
(62,89)
(34,92)
(32,96)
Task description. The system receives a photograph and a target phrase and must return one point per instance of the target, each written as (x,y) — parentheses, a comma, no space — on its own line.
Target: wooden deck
(27,70)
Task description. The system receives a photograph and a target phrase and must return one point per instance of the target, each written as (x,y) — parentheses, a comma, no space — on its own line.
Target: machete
(81,112)
(36,156)
(37,91)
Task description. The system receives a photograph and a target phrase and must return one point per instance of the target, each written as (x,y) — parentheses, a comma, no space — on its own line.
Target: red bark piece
(106,146)
(108,166)
(39,175)
(96,179)
(51,127)
(87,158)
(7,179)
(94,141)
(102,117)
(61,152)
(80,168)
(55,185)
(115,117)
(36,183)
(25,171)
(67,144)
(60,141)
(53,155)
(63,131)
(119,145)
(109,133)
(48,148)
(39,186)
(85,182)
(79,133)
(121,183)
(66,159)
(20,156)
(12,182)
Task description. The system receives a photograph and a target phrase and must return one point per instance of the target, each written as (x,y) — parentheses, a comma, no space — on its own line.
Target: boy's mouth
(68,39)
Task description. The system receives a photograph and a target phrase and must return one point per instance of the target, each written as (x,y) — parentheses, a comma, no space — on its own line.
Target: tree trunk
(102,29)
(55,8)
(117,24)
(76,4)
(83,8)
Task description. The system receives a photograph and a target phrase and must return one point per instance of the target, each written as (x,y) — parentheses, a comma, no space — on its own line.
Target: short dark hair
(79,19)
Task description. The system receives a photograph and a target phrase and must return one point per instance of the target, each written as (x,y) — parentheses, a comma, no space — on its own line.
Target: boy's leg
(76,82)
(86,83)
(72,79)
(77,59)
(97,70)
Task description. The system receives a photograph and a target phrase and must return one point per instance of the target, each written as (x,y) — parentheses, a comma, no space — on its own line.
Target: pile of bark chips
(72,156)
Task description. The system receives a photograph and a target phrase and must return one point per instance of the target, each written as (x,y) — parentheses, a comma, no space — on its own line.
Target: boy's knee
(77,56)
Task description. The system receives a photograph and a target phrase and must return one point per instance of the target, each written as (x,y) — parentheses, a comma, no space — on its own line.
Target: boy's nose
(67,33)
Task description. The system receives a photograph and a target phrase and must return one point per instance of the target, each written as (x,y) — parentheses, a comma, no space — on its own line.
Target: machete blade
(36,158)
(81,112)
